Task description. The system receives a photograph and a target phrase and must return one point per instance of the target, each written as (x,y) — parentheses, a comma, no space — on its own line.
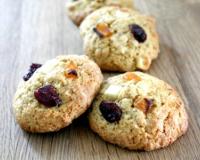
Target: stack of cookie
(133,110)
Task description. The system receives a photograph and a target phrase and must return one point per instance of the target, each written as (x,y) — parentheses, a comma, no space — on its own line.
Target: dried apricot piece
(131,76)
(72,65)
(71,73)
(102,30)
(143,104)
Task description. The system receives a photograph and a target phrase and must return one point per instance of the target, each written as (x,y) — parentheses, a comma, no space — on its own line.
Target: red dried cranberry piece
(31,70)
(138,32)
(48,96)
(110,111)
(72,72)
(149,102)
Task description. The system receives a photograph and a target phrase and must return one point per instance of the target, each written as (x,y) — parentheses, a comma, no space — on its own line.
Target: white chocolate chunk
(143,63)
(113,91)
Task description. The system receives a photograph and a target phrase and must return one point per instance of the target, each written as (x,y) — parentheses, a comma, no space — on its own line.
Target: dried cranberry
(149,102)
(72,72)
(110,111)
(138,32)
(48,96)
(31,70)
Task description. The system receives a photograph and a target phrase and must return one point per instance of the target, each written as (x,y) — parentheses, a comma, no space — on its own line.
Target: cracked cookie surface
(58,92)
(139,112)
(79,9)
(120,39)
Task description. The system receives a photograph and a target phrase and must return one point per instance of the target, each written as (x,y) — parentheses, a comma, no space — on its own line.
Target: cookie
(120,40)
(137,111)
(54,94)
(79,9)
